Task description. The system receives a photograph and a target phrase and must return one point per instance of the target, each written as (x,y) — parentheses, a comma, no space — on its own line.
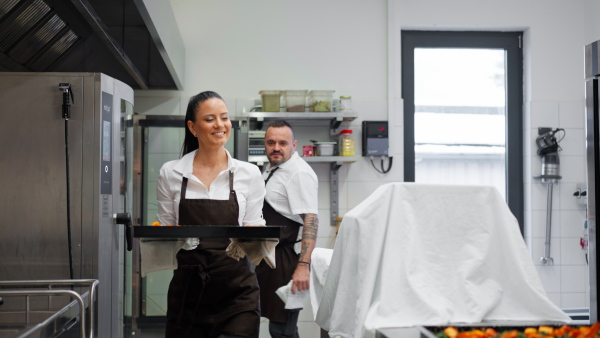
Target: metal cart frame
(24,288)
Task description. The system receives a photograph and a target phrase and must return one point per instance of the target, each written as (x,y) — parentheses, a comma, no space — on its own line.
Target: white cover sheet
(415,254)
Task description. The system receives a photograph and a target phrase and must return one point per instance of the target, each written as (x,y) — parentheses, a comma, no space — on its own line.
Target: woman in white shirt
(211,294)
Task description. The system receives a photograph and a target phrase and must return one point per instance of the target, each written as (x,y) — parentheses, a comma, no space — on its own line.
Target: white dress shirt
(247,183)
(293,189)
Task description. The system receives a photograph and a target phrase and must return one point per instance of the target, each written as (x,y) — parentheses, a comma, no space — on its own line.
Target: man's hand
(301,278)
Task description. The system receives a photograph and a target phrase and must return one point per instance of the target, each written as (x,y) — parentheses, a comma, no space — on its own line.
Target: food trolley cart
(48,308)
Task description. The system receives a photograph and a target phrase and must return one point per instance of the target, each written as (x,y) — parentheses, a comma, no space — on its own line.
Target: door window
(463,102)
(459,118)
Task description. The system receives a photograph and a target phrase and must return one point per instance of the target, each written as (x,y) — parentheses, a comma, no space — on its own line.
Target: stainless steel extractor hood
(116,37)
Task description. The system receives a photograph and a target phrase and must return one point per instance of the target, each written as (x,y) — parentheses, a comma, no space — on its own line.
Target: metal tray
(404,332)
(207,231)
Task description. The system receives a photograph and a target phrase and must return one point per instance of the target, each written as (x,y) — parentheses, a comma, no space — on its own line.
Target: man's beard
(275,162)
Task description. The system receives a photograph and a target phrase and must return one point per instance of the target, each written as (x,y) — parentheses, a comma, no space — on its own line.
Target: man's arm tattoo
(311,226)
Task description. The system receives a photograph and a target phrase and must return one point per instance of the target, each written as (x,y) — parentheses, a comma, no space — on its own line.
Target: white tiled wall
(566,282)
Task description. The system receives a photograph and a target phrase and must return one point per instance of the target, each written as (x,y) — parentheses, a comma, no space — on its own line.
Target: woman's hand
(190,243)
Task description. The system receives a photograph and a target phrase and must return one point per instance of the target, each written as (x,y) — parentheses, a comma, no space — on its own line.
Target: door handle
(125,219)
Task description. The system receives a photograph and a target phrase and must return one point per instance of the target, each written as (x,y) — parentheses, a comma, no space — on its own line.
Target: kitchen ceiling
(116,37)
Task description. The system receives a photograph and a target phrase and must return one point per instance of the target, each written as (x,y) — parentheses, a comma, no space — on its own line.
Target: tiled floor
(305,329)
(312,330)
(306,325)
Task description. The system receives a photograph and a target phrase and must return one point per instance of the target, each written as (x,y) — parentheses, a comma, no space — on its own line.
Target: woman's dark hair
(190,143)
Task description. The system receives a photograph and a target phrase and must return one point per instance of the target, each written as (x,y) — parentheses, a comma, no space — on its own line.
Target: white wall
(352,46)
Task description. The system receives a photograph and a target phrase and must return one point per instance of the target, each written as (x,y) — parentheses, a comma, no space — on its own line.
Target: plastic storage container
(321,100)
(270,100)
(295,100)
(346,143)
(324,148)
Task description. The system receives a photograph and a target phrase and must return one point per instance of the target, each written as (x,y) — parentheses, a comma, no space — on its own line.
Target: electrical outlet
(581,193)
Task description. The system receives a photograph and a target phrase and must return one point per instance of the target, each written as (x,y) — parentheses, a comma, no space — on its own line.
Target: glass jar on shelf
(346,103)
(346,143)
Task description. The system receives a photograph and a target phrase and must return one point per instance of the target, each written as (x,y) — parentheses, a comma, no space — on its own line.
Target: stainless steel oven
(63,180)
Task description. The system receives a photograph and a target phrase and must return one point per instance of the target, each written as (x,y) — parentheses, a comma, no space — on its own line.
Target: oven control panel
(256,146)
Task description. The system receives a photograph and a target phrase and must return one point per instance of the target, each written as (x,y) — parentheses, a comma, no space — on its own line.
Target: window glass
(460,120)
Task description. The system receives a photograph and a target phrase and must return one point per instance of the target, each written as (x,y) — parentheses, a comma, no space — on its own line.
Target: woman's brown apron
(270,280)
(211,293)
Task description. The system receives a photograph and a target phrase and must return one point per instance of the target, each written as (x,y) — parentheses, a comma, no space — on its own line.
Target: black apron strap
(271,174)
(231,191)
(183,187)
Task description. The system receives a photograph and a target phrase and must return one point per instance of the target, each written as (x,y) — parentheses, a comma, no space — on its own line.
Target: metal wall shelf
(333,159)
(339,160)
(335,119)
(347,116)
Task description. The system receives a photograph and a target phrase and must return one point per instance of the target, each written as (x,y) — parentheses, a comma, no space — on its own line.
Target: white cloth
(415,254)
(293,190)
(189,243)
(293,301)
(256,250)
(158,255)
(320,261)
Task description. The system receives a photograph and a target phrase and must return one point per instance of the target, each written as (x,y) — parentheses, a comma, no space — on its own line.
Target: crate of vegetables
(542,331)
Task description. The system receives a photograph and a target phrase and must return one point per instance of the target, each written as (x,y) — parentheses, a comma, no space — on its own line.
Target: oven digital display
(106,144)
(256,142)
(106,141)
